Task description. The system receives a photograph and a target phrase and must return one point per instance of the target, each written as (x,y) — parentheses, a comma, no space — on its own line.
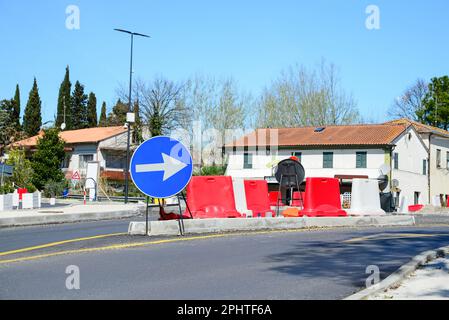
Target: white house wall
(412,152)
(439,177)
(344,162)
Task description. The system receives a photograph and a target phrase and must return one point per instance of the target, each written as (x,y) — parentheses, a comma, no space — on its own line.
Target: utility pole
(129,118)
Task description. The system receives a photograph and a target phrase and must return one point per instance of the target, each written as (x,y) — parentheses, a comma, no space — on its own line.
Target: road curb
(399,275)
(204,226)
(30,220)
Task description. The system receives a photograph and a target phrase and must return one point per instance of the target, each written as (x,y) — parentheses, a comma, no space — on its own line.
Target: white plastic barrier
(403,205)
(365,198)
(37,199)
(27,201)
(240,196)
(15,199)
(6,202)
(436,201)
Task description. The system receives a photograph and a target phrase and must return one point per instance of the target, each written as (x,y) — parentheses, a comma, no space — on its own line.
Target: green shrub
(211,171)
(54,188)
(6,188)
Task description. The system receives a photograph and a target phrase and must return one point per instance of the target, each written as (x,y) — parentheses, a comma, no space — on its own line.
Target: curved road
(325,264)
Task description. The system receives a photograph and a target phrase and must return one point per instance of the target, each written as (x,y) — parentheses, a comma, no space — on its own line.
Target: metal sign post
(161,168)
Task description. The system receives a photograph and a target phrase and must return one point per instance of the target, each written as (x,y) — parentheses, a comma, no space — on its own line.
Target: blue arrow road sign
(161,167)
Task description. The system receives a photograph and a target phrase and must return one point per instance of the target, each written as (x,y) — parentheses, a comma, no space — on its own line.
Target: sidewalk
(69,213)
(427,283)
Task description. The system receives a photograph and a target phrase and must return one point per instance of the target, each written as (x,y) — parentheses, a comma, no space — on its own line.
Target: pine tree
(79,107)
(32,119)
(15,115)
(92,121)
(64,102)
(103,120)
(118,115)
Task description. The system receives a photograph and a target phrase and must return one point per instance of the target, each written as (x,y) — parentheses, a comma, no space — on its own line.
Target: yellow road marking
(140,244)
(58,243)
(387,236)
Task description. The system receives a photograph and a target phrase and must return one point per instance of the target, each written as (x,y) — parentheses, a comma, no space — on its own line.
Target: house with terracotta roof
(105,145)
(437,143)
(337,151)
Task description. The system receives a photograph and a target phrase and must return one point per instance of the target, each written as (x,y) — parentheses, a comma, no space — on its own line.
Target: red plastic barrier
(257,200)
(21,191)
(322,198)
(211,197)
(273,197)
(415,207)
(296,202)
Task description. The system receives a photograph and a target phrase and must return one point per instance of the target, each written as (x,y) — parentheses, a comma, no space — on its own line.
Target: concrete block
(15,199)
(136,229)
(6,202)
(27,201)
(365,198)
(37,199)
(202,226)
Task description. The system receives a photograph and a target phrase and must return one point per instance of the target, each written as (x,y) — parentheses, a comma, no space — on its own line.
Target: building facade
(105,145)
(436,141)
(337,151)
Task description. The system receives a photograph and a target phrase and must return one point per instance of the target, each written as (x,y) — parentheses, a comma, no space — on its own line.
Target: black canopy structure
(289,173)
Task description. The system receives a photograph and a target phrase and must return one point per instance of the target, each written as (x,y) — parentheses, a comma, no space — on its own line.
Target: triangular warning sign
(76,176)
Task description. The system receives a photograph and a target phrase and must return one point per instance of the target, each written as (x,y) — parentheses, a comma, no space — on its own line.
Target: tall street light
(129,117)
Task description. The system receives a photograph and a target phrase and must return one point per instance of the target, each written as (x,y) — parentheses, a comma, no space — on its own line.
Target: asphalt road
(325,264)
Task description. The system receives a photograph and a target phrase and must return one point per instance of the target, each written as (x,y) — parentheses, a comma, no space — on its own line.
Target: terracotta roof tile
(344,135)
(420,127)
(90,135)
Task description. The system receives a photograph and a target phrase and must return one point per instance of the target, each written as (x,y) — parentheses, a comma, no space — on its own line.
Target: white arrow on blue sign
(161,167)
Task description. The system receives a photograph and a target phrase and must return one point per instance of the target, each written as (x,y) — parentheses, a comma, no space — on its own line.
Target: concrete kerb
(202,226)
(55,216)
(399,275)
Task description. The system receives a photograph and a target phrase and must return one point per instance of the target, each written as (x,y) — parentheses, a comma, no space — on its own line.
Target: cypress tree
(64,101)
(15,114)
(79,107)
(138,123)
(103,120)
(92,111)
(32,119)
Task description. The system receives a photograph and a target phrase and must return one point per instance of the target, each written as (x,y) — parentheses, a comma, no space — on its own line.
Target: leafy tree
(435,109)
(103,118)
(32,119)
(161,108)
(92,111)
(310,97)
(118,115)
(79,107)
(23,172)
(15,114)
(410,102)
(46,161)
(64,102)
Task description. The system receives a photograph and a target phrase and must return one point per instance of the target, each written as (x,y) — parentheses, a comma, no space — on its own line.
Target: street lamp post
(129,105)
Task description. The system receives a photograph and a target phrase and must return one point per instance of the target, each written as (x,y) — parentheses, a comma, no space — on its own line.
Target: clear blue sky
(249,40)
